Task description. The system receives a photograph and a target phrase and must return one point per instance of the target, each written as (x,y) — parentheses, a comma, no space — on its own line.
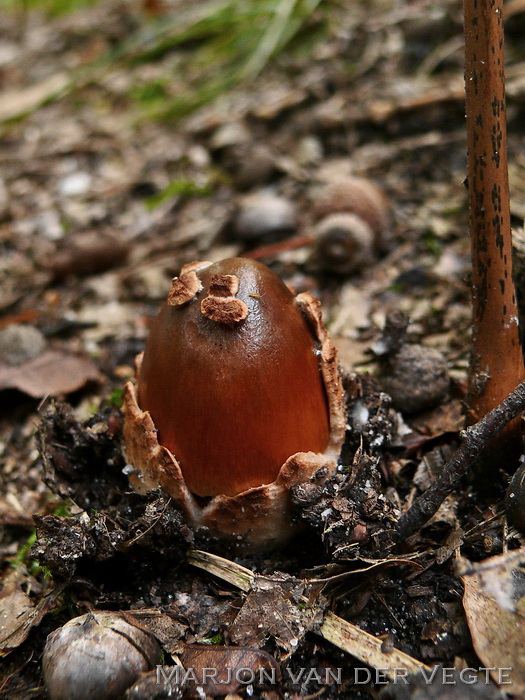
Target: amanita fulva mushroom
(238,398)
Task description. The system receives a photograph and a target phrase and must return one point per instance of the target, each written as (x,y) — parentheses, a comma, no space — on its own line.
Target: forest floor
(106,189)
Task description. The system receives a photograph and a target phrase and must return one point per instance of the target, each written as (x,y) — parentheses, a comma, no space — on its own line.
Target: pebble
(75,184)
(20,343)
(261,214)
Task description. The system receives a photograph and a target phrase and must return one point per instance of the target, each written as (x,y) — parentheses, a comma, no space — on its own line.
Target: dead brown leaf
(275,607)
(228,665)
(16,610)
(52,373)
(168,631)
(18,613)
(494,602)
(87,254)
(447,418)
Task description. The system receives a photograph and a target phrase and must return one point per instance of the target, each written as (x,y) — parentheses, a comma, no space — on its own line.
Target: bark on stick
(497,362)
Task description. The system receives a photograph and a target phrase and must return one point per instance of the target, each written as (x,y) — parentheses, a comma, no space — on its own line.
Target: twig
(474,440)
(334,629)
(273,249)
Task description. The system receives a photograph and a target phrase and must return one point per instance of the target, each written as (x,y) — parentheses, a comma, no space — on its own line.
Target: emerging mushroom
(238,398)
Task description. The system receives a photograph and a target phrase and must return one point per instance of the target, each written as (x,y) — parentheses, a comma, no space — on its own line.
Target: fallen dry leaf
(501,577)
(50,374)
(167,631)
(86,254)
(343,634)
(16,611)
(275,607)
(228,664)
(18,614)
(494,603)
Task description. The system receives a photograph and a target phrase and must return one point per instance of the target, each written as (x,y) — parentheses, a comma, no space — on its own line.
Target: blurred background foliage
(206,47)
(50,7)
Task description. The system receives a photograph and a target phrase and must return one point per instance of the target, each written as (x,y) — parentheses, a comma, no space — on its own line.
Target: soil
(104,195)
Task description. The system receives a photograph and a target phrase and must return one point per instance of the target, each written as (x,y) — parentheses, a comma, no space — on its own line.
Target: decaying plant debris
(101,205)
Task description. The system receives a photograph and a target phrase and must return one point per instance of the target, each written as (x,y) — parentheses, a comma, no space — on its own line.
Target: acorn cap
(359,196)
(343,243)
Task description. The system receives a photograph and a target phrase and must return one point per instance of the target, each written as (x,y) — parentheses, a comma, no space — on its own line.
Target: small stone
(263,214)
(20,343)
(309,151)
(75,184)
(229,134)
(254,166)
(199,156)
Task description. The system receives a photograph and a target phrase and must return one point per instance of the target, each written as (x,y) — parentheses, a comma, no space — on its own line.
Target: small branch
(273,249)
(334,629)
(474,440)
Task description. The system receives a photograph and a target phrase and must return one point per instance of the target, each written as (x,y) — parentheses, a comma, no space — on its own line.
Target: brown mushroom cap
(232,380)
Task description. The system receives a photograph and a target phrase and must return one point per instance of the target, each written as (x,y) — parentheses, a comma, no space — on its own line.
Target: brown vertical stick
(497,362)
